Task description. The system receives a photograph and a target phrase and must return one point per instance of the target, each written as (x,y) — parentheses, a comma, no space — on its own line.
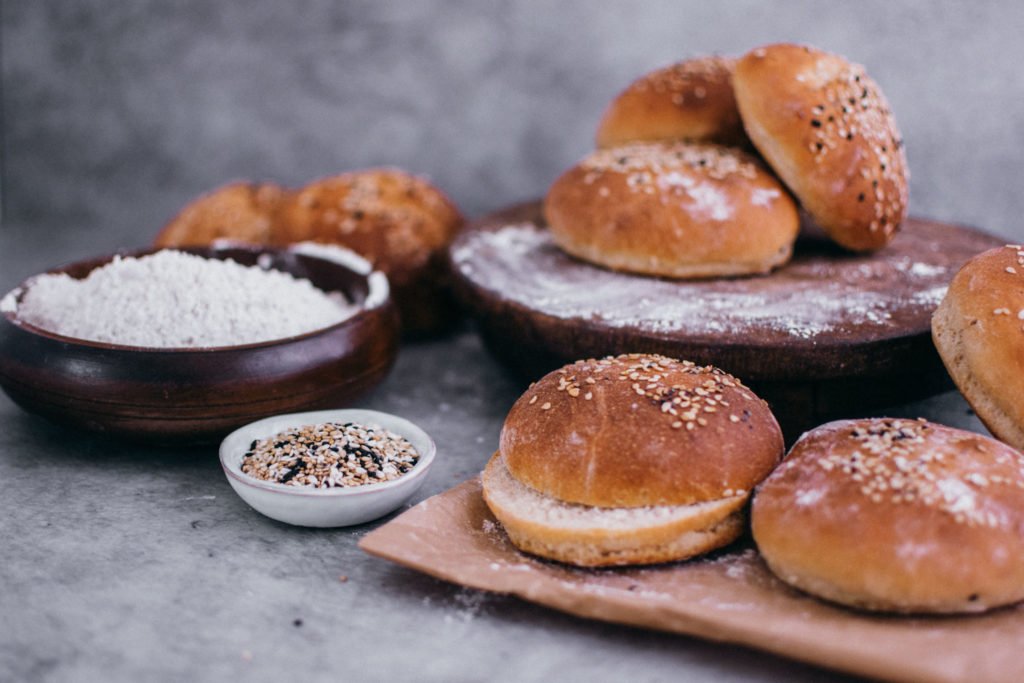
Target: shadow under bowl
(184,395)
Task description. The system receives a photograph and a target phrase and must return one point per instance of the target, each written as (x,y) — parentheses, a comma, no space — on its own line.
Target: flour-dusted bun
(827,130)
(677,210)
(690,100)
(400,222)
(630,459)
(594,536)
(979,332)
(240,211)
(896,515)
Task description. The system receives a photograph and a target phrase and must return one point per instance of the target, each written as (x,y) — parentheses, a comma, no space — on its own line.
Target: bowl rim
(378,294)
(419,470)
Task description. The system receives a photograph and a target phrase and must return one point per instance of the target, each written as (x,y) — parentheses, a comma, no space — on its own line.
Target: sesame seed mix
(686,407)
(644,163)
(330,455)
(851,107)
(887,468)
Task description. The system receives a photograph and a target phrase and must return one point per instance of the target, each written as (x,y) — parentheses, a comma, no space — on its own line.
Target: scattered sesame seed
(546,406)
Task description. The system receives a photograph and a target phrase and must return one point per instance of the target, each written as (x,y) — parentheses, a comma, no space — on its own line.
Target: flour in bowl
(171,299)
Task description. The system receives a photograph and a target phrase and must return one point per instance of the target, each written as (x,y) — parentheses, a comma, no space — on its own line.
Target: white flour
(175,300)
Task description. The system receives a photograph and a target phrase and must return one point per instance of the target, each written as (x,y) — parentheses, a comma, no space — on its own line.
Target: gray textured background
(118,562)
(116,113)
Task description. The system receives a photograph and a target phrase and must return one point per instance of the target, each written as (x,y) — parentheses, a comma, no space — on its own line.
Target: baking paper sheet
(729,597)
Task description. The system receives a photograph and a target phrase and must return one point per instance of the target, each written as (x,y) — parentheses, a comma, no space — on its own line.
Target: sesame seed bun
(978,330)
(896,515)
(595,537)
(690,100)
(400,223)
(639,430)
(827,130)
(631,459)
(677,210)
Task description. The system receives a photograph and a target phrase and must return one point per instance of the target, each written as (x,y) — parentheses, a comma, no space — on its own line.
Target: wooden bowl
(831,334)
(198,395)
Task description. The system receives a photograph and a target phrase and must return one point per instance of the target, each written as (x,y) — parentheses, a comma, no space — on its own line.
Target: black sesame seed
(816,123)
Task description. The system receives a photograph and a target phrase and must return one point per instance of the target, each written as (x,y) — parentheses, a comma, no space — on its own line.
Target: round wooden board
(831,334)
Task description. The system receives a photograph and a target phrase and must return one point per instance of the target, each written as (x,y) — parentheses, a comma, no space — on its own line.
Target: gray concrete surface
(122,563)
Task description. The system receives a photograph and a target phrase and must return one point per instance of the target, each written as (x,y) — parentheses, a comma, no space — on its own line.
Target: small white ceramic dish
(331,507)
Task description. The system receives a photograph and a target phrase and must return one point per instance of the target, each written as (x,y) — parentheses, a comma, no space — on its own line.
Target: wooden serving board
(831,334)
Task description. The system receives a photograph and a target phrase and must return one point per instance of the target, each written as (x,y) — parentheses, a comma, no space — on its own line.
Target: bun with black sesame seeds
(826,129)
(896,515)
(399,222)
(689,100)
(632,459)
(978,330)
(679,210)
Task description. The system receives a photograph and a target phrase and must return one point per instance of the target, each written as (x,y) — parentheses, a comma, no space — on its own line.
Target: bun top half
(826,128)
(639,430)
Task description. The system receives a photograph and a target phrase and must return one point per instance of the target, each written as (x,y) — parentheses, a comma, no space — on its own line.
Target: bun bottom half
(590,536)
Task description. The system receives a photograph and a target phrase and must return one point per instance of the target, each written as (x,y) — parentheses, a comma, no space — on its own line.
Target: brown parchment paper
(731,597)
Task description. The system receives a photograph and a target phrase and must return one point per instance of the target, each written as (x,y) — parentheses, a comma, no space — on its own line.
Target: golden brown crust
(401,223)
(673,209)
(593,537)
(978,330)
(236,211)
(640,430)
(689,100)
(394,219)
(826,128)
(896,515)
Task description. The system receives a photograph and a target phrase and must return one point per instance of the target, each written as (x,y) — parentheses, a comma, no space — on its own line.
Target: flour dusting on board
(810,297)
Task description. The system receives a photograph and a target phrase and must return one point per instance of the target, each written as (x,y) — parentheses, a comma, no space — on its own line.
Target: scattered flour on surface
(171,299)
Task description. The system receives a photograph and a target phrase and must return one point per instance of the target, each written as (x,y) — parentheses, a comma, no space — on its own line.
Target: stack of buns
(677,190)
(633,459)
(401,223)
